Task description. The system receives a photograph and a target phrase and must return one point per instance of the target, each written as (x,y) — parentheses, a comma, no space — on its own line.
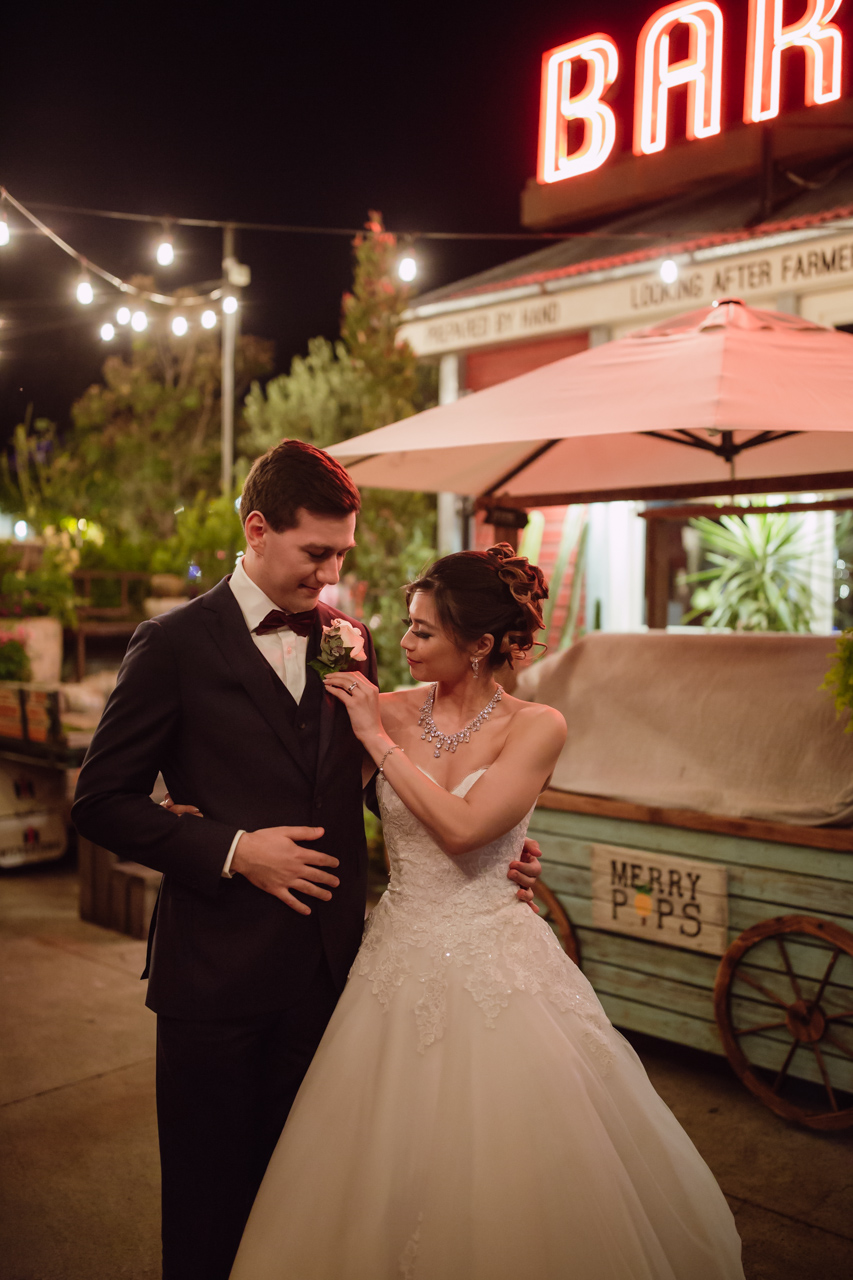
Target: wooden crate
(118,895)
(667,991)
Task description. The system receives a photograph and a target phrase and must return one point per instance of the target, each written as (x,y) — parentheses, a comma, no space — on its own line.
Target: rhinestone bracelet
(387,754)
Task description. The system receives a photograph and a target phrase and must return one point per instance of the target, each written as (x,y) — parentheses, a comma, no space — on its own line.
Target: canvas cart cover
(726,724)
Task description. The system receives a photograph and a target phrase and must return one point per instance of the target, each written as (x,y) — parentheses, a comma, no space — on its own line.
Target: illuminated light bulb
(166,252)
(108,332)
(669,271)
(139,321)
(4,230)
(123,315)
(230,304)
(21,529)
(208,319)
(407,268)
(85,292)
(180,326)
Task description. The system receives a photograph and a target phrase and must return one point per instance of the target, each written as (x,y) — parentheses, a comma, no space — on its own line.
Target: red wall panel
(487,368)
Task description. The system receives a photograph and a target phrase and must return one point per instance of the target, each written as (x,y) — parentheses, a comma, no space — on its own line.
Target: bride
(405,1146)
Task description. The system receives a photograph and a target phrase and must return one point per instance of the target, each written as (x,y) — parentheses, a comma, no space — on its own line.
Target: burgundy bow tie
(299,623)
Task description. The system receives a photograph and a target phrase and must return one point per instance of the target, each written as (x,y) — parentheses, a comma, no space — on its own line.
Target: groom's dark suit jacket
(196,700)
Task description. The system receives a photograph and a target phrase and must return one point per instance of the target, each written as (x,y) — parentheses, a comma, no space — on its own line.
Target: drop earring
(475,667)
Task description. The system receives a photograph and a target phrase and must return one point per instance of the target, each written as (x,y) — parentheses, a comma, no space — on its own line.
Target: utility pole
(235,276)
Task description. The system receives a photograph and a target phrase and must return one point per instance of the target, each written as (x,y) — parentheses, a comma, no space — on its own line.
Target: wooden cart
(730,935)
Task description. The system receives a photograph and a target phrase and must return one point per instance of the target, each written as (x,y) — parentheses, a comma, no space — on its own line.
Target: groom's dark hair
(295,475)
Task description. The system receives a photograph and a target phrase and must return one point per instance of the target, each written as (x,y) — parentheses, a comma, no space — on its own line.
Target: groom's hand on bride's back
(274,861)
(526,871)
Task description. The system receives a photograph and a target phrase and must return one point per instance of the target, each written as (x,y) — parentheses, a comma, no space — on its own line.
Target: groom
(262,902)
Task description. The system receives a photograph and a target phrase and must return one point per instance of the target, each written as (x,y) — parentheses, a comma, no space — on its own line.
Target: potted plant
(14,660)
(758,579)
(36,603)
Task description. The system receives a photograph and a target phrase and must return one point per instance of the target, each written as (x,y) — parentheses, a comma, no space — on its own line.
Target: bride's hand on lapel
(361,699)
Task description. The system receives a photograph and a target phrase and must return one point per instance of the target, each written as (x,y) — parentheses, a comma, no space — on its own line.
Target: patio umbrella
(728,399)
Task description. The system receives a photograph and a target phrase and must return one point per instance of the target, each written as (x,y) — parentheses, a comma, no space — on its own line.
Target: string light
(139,322)
(669,271)
(144,295)
(180,325)
(107,332)
(165,251)
(208,319)
(292,229)
(85,292)
(407,268)
(123,315)
(230,304)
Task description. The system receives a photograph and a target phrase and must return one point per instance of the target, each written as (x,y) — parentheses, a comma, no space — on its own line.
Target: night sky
(309,113)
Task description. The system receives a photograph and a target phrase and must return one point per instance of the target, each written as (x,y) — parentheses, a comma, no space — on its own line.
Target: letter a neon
(767,41)
(701,71)
(559,105)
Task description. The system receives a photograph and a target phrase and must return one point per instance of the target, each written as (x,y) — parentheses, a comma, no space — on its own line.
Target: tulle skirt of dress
(405,1163)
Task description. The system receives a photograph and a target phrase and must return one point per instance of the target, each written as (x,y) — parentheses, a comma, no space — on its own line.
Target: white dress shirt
(284,650)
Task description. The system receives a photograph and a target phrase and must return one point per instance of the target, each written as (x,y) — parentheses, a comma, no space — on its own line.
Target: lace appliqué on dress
(441,914)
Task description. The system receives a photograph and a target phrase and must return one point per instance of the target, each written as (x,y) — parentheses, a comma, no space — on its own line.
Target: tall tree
(365,380)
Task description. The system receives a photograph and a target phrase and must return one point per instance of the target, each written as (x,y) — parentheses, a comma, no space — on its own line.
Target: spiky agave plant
(759,576)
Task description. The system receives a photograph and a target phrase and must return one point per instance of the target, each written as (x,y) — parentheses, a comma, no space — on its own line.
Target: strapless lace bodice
(443,914)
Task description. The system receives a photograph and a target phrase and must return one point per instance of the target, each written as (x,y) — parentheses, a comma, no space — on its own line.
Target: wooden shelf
(837,838)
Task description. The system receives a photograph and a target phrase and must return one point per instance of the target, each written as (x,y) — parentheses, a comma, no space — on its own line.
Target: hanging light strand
(123,286)
(296,229)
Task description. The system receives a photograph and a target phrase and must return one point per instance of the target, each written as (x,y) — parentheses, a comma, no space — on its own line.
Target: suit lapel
(228,628)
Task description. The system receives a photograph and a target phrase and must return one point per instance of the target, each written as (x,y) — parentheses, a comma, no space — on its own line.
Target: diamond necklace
(450,741)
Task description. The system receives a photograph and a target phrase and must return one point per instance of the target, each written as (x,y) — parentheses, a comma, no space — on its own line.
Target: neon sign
(596,58)
(701,71)
(560,106)
(821,41)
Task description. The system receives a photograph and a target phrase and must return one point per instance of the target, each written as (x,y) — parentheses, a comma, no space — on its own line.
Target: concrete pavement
(78,1171)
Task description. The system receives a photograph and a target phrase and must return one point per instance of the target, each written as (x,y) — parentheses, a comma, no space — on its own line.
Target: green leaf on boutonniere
(341,644)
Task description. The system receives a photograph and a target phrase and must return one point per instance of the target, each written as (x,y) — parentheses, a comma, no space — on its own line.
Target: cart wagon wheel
(553,913)
(783,989)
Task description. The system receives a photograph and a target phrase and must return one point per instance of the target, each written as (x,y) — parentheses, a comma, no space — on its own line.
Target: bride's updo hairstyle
(493,592)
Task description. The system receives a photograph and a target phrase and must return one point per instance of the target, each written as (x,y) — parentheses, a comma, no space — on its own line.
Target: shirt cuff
(226,869)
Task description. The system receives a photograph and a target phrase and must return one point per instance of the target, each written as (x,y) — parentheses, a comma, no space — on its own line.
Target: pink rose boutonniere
(342,643)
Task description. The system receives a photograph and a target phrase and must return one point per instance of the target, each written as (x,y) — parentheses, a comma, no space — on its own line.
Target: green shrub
(839,678)
(14,663)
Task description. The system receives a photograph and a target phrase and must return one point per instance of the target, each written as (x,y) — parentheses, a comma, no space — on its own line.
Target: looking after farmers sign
(675,901)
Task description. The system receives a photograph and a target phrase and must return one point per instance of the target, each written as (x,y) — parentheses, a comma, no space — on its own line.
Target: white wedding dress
(411,1153)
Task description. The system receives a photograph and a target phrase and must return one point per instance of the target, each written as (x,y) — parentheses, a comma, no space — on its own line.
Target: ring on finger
(351,687)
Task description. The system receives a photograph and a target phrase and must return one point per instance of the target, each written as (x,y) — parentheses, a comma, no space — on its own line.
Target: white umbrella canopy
(723,400)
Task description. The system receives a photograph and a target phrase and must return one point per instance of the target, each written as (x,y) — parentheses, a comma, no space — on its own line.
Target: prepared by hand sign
(671,900)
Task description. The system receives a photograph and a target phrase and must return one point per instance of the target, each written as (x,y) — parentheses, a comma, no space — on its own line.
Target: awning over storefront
(723,400)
